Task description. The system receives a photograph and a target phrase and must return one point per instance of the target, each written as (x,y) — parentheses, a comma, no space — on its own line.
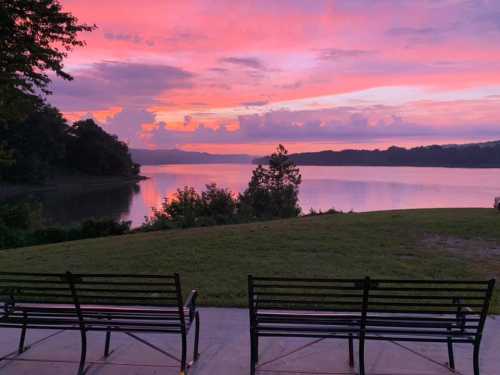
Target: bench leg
(183,354)
(451,357)
(361,356)
(351,351)
(196,353)
(476,358)
(108,339)
(254,352)
(81,367)
(106,344)
(21,347)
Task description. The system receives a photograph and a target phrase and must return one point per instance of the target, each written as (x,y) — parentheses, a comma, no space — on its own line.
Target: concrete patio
(224,348)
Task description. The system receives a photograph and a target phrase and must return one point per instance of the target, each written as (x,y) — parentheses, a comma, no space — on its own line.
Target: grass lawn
(437,243)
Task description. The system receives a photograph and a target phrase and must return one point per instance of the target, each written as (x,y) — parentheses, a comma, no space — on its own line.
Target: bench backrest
(428,306)
(128,290)
(76,290)
(338,295)
(37,288)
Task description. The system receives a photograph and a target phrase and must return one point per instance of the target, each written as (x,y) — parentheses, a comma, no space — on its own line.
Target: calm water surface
(344,188)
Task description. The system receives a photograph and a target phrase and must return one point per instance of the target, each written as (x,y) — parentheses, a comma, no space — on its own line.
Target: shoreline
(65,184)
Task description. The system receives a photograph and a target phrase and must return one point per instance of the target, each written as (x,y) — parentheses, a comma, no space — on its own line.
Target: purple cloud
(117,83)
(256,103)
(342,124)
(247,62)
(338,53)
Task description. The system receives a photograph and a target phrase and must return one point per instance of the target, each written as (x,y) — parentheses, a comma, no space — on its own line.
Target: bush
(157,221)
(23,216)
(14,237)
(188,209)
(10,238)
(218,204)
(49,235)
(103,227)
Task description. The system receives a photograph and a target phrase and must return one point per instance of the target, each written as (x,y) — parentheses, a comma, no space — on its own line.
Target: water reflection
(70,207)
(344,188)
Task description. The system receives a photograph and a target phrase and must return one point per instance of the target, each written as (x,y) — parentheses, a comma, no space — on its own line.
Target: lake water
(343,188)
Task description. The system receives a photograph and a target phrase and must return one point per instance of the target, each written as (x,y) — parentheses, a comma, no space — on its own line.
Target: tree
(93,151)
(273,191)
(34,148)
(184,208)
(35,37)
(219,205)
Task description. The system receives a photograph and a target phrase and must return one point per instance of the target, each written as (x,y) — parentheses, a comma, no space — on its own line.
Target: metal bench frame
(442,311)
(100,302)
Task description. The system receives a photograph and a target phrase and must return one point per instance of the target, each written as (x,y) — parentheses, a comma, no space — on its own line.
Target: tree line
(481,155)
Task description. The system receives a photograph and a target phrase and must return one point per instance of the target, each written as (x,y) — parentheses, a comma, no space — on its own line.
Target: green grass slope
(439,243)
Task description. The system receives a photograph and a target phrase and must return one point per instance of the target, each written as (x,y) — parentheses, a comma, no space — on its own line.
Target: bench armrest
(191,303)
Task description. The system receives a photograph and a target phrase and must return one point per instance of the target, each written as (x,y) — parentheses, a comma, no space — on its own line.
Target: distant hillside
(471,155)
(155,157)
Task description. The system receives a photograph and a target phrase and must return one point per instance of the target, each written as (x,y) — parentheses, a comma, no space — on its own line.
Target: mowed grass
(431,244)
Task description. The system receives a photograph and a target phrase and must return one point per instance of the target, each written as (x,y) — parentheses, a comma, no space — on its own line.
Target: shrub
(219,205)
(23,216)
(188,209)
(49,235)
(103,227)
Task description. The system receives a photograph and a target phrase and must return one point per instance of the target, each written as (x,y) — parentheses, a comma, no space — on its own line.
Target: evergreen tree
(273,190)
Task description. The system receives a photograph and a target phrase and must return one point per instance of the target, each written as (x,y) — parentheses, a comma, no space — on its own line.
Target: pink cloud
(176,60)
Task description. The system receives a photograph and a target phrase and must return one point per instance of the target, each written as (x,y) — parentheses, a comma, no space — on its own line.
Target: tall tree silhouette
(273,190)
(35,37)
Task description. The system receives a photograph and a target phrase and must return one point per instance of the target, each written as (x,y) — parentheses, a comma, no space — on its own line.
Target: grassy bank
(440,243)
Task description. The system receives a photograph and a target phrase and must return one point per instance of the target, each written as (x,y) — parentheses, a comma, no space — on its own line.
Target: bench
(131,304)
(440,311)
(369,309)
(312,308)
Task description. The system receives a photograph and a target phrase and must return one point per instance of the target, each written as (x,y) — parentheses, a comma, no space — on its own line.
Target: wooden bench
(369,309)
(130,304)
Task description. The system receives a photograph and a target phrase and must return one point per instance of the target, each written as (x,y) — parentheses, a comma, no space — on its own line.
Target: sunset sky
(241,76)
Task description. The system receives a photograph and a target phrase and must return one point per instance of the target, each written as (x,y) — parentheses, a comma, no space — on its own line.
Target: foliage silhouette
(44,145)
(35,37)
(93,151)
(272,193)
(273,190)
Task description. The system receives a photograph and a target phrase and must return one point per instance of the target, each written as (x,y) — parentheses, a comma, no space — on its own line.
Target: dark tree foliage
(272,193)
(35,37)
(273,190)
(218,204)
(43,146)
(184,208)
(6,156)
(36,146)
(21,224)
(93,151)
(187,208)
